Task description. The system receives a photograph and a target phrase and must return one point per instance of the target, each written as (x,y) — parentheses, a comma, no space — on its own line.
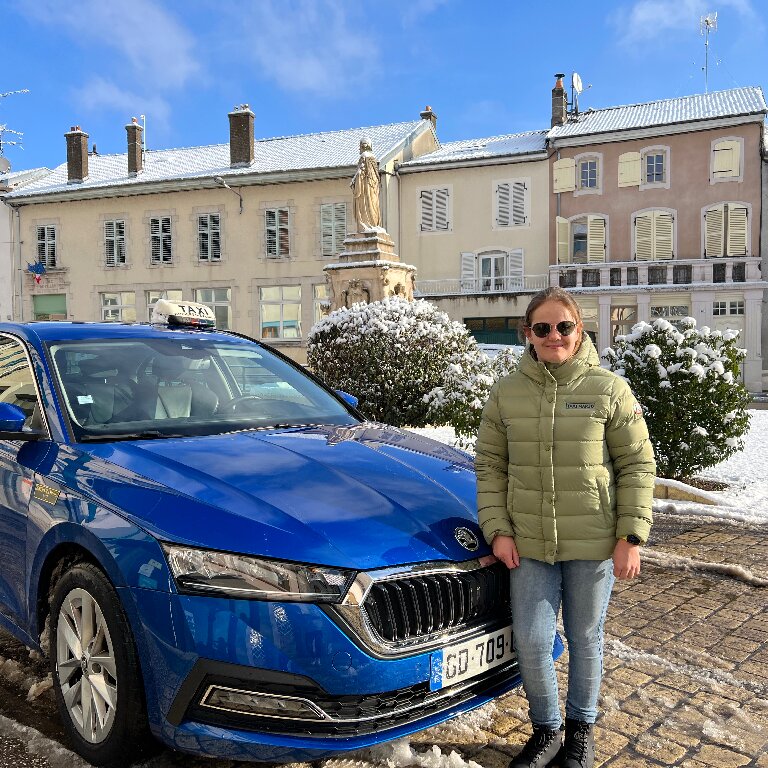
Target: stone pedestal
(368,270)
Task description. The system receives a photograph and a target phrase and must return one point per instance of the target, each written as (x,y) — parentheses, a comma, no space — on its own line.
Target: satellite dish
(5,166)
(576,82)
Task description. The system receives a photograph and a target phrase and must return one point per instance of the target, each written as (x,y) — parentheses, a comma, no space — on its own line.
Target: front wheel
(95,669)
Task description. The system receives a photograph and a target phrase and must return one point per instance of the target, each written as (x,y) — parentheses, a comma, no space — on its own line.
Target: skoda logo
(466,538)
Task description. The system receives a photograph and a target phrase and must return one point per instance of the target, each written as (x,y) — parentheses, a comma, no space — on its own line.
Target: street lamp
(218,180)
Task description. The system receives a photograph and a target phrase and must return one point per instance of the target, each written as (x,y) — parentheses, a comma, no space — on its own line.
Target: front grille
(359,715)
(411,607)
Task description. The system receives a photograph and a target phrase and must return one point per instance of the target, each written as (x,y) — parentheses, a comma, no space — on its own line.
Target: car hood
(362,496)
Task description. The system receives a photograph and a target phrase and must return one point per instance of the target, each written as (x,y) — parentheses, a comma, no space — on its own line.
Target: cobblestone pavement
(686,660)
(686,657)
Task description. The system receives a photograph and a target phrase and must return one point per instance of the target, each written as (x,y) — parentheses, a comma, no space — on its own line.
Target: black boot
(579,747)
(540,750)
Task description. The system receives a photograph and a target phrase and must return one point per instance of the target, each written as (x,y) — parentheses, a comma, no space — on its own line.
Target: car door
(17,386)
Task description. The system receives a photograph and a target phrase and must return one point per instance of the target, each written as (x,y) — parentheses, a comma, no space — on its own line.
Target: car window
(17,380)
(184,385)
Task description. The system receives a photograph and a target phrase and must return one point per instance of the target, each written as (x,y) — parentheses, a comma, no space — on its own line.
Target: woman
(565,475)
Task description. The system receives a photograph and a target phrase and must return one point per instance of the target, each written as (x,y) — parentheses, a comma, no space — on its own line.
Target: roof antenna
(708,23)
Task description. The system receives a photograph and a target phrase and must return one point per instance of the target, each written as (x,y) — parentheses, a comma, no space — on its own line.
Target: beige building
(656,211)
(245,227)
(474,220)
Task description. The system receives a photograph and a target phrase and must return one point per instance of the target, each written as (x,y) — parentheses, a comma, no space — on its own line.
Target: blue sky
(486,68)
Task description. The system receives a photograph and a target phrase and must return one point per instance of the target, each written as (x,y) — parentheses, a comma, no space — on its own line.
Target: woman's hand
(505,549)
(626,560)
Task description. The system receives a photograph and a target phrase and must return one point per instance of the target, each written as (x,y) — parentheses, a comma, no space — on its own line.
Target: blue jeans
(583,588)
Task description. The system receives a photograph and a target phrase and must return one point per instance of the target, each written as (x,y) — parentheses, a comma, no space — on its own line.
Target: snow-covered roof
(704,106)
(326,150)
(510,144)
(16,179)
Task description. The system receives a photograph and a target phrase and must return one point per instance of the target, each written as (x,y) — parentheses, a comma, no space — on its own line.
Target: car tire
(95,670)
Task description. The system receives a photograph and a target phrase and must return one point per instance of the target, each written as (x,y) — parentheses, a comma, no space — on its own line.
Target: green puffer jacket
(563,460)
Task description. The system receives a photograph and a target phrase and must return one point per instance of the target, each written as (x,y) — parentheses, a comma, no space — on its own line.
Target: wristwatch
(632,539)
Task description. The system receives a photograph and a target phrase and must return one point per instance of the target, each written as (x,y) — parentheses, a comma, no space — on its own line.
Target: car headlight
(203,571)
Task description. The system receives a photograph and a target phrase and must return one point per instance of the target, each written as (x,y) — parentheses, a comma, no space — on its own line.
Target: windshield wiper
(150,434)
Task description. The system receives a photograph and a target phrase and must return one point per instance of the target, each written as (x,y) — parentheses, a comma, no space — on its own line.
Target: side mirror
(347,398)
(12,420)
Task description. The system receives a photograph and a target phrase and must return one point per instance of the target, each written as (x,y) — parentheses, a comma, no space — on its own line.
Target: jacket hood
(362,496)
(585,357)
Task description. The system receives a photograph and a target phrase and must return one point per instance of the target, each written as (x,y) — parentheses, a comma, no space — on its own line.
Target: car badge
(466,538)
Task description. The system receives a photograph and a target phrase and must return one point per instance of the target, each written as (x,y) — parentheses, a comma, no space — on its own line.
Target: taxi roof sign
(188,313)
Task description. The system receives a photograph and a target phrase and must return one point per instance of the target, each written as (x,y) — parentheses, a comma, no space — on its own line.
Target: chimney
(241,137)
(135,146)
(559,102)
(77,155)
(428,114)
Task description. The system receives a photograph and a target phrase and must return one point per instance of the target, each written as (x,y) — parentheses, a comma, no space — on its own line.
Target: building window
(119,307)
(654,235)
(726,157)
(736,308)
(161,240)
(492,271)
(568,278)
(581,240)
(209,237)
(219,300)
(495,330)
(622,320)
(718,273)
(726,230)
(321,303)
(277,233)
(682,273)
(739,272)
(657,275)
(333,228)
(114,242)
(590,278)
(46,246)
(280,312)
(152,297)
(615,276)
(435,213)
(719,308)
(673,313)
(512,203)
(49,306)
(588,174)
(632,276)
(653,167)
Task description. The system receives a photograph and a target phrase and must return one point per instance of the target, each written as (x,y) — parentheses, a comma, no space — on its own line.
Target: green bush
(689,386)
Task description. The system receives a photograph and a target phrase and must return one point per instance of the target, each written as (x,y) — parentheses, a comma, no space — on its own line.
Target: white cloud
(100,93)
(313,46)
(649,20)
(160,51)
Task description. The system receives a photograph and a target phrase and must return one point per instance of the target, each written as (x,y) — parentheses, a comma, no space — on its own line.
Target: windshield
(152,388)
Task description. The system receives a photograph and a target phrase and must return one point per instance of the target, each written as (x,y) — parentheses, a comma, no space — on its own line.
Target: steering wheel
(232,406)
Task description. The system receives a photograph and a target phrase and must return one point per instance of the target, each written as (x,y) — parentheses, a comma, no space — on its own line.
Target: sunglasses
(564,328)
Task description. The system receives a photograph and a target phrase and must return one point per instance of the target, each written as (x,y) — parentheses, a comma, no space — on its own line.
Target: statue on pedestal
(365,188)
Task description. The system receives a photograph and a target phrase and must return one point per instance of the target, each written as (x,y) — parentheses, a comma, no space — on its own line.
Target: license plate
(463,661)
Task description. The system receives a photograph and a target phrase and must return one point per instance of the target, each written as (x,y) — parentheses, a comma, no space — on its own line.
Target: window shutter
(154,235)
(214,225)
(326,230)
(514,269)
(629,169)
(714,231)
(737,230)
(167,249)
(644,237)
(727,158)
(519,190)
(563,227)
(564,175)
(441,209)
(284,232)
(427,210)
(109,243)
(203,238)
(595,238)
(468,262)
(270,229)
(664,237)
(339,226)
(503,205)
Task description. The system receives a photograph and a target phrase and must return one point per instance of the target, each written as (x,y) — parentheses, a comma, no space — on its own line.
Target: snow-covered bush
(689,385)
(392,353)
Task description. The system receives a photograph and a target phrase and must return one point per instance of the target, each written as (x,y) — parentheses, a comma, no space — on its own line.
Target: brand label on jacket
(580,406)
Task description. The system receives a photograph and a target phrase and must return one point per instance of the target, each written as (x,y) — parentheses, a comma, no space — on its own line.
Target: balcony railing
(481,285)
(615,275)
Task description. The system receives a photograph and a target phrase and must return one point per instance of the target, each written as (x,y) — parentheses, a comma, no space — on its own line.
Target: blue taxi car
(217,552)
